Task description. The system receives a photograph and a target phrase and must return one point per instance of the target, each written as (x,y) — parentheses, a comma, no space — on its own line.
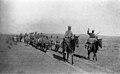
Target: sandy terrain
(20,59)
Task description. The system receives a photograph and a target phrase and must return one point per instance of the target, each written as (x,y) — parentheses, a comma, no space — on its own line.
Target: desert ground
(17,58)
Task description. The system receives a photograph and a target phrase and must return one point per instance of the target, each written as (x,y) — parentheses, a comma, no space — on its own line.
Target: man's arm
(88,32)
(65,34)
(71,34)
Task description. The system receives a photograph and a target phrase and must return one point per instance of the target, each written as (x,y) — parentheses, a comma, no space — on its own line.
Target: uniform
(68,36)
(92,37)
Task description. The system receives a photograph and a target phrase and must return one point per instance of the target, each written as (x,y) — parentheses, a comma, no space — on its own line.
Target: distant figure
(47,38)
(57,46)
(68,35)
(41,35)
(21,36)
(51,36)
(57,39)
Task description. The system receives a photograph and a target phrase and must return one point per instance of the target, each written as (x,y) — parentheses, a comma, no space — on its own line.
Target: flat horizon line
(56,33)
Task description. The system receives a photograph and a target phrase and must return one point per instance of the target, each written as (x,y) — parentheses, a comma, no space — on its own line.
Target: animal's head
(100,42)
(76,38)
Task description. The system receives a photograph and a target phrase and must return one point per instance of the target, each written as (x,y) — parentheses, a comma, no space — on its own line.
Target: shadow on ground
(80,56)
(58,57)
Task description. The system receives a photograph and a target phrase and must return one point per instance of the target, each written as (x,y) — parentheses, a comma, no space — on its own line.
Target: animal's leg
(93,56)
(64,54)
(45,48)
(50,47)
(67,56)
(72,58)
(88,54)
(40,46)
(96,56)
(57,48)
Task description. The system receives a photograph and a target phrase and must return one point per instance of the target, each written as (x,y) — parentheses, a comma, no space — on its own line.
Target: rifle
(97,33)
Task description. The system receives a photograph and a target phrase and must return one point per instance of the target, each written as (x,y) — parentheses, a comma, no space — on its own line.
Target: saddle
(91,40)
(67,41)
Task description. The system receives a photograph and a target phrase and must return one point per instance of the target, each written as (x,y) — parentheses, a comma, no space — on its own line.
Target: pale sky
(53,16)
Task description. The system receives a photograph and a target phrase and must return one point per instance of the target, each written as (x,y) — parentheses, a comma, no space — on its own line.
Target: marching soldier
(57,45)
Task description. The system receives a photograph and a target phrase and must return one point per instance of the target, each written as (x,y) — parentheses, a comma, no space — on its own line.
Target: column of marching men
(68,43)
(38,40)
